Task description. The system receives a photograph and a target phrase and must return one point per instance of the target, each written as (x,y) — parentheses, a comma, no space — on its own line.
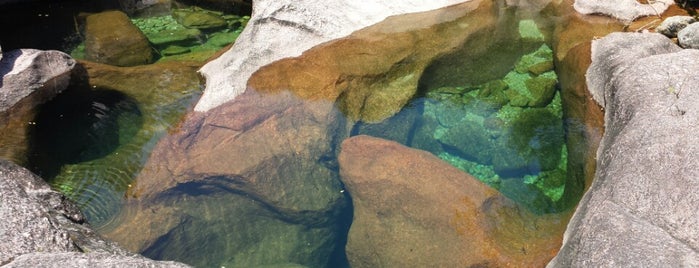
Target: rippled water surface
(490,106)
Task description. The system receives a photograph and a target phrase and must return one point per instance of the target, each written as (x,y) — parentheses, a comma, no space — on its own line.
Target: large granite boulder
(642,208)
(374,72)
(111,38)
(29,78)
(411,209)
(278,30)
(41,228)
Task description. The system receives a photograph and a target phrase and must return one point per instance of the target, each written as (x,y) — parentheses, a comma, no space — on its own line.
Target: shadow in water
(79,125)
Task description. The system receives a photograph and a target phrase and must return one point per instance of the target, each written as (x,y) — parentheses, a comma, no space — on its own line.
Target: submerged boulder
(111,38)
(268,157)
(642,208)
(412,209)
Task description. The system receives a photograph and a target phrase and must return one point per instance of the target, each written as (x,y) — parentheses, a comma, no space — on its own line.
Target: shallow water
(91,144)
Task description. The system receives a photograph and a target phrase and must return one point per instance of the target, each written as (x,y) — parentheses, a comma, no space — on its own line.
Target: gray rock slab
(41,228)
(642,209)
(24,72)
(281,29)
(625,10)
(87,260)
(688,37)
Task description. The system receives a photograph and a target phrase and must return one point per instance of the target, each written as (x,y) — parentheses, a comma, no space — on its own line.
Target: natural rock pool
(272,177)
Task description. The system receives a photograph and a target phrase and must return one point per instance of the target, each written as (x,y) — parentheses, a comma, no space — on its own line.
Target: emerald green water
(497,116)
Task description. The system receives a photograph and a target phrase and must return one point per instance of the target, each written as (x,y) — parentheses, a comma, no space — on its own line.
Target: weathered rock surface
(374,72)
(625,10)
(278,30)
(111,38)
(77,259)
(264,155)
(413,210)
(670,26)
(688,37)
(28,79)
(41,227)
(642,208)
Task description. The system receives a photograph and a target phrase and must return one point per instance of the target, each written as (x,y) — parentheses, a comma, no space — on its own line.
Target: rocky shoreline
(641,209)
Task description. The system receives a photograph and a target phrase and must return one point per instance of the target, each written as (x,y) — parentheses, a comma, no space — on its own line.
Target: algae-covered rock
(198,18)
(174,50)
(529,31)
(179,37)
(222,39)
(542,89)
(111,38)
(533,145)
(537,62)
(471,140)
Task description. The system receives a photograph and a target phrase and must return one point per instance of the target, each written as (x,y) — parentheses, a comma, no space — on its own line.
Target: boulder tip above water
(111,38)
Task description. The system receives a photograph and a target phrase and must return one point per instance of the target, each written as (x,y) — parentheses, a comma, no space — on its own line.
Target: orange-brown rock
(375,71)
(265,157)
(411,209)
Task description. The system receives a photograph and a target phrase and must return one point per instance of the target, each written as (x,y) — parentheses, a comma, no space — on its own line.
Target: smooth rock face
(411,209)
(625,10)
(375,71)
(264,155)
(29,78)
(642,208)
(41,228)
(689,36)
(278,30)
(111,38)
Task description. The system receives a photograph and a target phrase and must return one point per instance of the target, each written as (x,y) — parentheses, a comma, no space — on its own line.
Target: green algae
(507,132)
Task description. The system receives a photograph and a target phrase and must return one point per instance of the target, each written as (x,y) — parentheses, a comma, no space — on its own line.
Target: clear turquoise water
(116,134)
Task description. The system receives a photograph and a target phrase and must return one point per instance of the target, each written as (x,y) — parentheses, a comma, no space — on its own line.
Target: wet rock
(29,78)
(537,62)
(471,140)
(274,23)
(41,227)
(198,18)
(644,193)
(405,199)
(625,10)
(111,38)
(689,36)
(268,156)
(379,69)
(542,89)
(182,37)
(174,50)
(529,31)
(533,145)
(672,25)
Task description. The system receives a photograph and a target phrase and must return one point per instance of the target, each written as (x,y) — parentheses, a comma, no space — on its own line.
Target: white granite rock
(625,10)
(280,29)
